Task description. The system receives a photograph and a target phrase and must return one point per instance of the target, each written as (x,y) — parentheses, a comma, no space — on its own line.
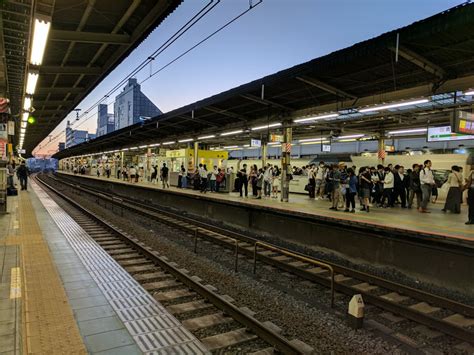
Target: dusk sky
(275,35)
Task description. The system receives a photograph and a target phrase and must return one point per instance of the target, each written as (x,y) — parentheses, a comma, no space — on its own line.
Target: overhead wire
(251,7)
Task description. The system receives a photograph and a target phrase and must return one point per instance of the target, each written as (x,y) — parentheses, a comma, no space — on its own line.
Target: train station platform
(437,224)
(60,293)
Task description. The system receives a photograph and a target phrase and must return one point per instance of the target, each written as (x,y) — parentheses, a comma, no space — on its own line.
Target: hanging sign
(11,128)
(257,143)
(276,138)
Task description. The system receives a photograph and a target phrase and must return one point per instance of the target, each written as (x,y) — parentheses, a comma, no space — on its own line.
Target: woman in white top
(454,198)
(388,183)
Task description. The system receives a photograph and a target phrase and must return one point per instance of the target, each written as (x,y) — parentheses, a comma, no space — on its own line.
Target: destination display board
(444,133)
(463,122)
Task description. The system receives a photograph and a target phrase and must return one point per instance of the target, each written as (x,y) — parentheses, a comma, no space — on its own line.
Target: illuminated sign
(463,123)
(255,143)
(444,133)
(326,148)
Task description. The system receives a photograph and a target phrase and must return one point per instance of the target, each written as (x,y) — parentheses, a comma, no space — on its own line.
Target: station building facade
(105,121)
(131,104)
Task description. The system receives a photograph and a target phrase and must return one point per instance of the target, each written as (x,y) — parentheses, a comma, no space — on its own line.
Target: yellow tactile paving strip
(48,320)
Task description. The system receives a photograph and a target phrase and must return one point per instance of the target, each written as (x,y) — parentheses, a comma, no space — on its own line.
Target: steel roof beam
(225,113)
(39,103)
(325,87)
(60,90)
(76,70)
(265,101)
(420,61)
(89,37)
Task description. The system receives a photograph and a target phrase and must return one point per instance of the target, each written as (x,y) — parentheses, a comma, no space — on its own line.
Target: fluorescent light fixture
(22,130)
(399,104)
(143,146)
(185,140)
(231,133)
(31,82)
(310,140)
(25,116)
(124,149)
(23,124)
(246,145)
(274,143)
(408,131)
(133,148)
(271,125)
(155,145)
(470,93)
(347,140)
(207,137)
(40,36)
(231,147)
(352,136)
(168,143)
(315,118)
(27,103)
(309,143)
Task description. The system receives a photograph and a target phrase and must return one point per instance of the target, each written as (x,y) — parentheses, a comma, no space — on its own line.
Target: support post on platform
(121,162)
(285,163)
(196,157)
(381,149)
(264,153)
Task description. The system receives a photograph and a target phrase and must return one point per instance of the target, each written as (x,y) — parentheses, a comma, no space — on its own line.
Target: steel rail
(276,340)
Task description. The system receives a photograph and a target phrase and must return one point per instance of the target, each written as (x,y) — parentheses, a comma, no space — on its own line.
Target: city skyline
(275,46)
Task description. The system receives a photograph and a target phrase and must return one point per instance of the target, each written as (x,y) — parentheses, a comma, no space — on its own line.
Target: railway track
(439,313)
(213,318)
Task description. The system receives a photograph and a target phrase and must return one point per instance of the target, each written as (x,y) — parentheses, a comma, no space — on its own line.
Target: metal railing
(295,256)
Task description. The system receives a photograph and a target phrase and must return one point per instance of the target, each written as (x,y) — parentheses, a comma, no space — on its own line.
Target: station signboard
(276,138)
(326,148)
(257,143)
(444,133)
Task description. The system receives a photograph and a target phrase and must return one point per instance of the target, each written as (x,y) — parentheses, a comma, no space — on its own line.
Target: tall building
(74,136)
(105,121)
(131,104)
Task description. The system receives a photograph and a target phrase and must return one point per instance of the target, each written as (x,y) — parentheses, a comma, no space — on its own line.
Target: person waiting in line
(119,173)
(164,174)
(415,187)
(427,182)
(154,174)
(311,186)
(454,197)
(107,171)
(196,179)
(275,182)
(328,187)
(243,180)
(399,185)
(133,173)
(335,179)
(470,197)
(11,174)
(267,180)
(203,175)
(184,177)
(259,183)
(213,178)
(23,175)
(387,196)
(319,180)
(253,179)
(220,177)
(365,181)
(180,177)
(351,190)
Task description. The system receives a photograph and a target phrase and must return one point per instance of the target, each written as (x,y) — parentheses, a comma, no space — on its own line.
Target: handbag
(307,187)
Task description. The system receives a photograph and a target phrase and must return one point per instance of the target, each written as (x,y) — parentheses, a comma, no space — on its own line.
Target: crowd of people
(343,186)
(387,186)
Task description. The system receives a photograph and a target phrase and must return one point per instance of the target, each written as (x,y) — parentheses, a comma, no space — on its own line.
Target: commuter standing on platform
(470,197)
(335,179)
(243,180)
(184,177)
(365,183)
(275,182)
(259,183)
(107,171)
(220,178)
(10,175)
(253,179)
(319,176)
(454,197)
(133,173)
(267,181)
(399,185)
(213,179)
(311,186)
(427,183)
(154,174)
(351,191)
(23,175)
(164,176)
(387,197)
(415,187)
(203,176)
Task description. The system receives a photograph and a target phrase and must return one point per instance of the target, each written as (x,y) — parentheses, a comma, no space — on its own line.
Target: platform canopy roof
(87,40)
(434,59)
